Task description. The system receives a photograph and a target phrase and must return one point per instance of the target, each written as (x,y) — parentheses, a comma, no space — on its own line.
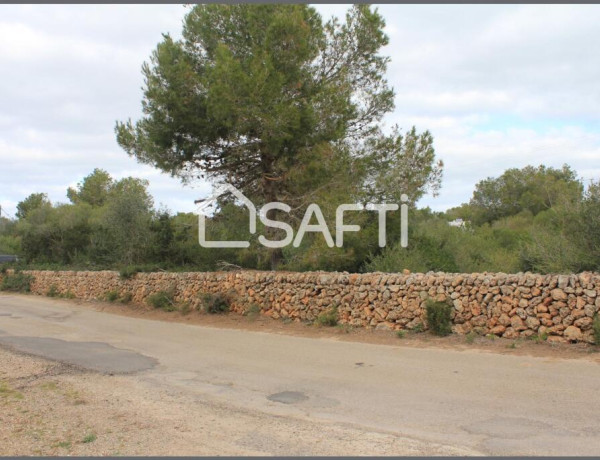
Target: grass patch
(400,334)
(63,444)
(538,338)
(52,386)
(126,298)
(52,291)
(345,327)
(418,328)
(215,303)
(185,308)
(439,317)
(17,282)
(328,318)
(470,337)
(596,329)
(7,392)
(163,300)
(68,295)
(111,296)
(252,311)
(89,438)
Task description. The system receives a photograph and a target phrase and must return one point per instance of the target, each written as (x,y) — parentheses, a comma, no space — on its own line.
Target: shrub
(17,282)
(470,337)
(596,328)
(68,295)
(126,298)
(111,296)
(129,272)
(438,317)
(418,328)
(164,300)
(328,318)
(215,303)
(185,308)
(53,291)
(400,334)
(253,310)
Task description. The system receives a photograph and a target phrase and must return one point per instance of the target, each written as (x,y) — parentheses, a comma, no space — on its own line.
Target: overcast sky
(498,87)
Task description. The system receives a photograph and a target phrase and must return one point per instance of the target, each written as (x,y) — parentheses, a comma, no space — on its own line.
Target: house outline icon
(222,189)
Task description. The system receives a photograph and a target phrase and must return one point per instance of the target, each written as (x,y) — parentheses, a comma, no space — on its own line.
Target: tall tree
(93,189)
(31,203)
(268,98)
(532,189)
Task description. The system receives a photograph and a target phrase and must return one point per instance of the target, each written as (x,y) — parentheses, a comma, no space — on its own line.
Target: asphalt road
(472,402)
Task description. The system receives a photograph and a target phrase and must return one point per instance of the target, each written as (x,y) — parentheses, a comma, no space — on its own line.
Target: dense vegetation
(112,224)
(287,107)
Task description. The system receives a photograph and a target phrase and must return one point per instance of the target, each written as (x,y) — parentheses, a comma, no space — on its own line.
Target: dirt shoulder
(48,408)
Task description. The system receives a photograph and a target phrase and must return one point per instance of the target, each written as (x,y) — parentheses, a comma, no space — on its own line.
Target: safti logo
(312,211)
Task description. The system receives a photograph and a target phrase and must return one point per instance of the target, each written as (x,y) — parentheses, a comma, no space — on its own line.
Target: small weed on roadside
(63,444)
(470,337)
(252,311)
(126,298)
(111,296)
(400,334)
(163,300)
(7,392)
(345,327)
(214,303)
(538,338)
(418,328)
(185,308)
(52,291)
(328,318)
(596,328)
(89,438)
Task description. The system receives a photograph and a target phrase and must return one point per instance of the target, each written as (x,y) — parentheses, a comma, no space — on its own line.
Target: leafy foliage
(439,317)
(215,303)
(328,318)
(596,328)
(281,105)
(163,300)
(16,282)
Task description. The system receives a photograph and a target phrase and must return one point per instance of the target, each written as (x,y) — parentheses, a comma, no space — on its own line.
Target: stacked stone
(508,305)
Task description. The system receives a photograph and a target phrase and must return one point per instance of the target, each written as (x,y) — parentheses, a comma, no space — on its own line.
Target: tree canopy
(274,101)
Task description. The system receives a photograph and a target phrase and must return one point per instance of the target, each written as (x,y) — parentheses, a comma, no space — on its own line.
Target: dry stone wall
(507,305)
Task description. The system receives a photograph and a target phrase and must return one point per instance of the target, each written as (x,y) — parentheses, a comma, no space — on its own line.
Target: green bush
(596,327)
(111,296)
(215,303)
(164,300)
(126,298)
(17,282)
(68,295)
(129,272)
(53,291)
(328,318)
(439,317)
(253,310)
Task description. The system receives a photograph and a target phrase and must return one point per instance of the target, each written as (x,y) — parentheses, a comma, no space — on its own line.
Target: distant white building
(457,223)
